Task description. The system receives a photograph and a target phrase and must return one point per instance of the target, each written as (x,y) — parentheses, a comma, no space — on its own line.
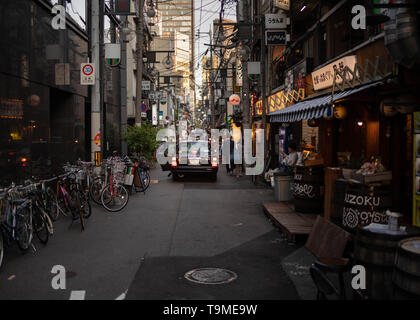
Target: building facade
(45,112)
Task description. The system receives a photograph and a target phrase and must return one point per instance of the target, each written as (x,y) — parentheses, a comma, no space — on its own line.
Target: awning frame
(315,108)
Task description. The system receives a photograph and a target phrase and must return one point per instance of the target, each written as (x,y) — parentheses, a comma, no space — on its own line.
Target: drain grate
(211,276)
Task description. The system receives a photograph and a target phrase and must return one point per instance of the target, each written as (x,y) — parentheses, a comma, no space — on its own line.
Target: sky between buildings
(205,12)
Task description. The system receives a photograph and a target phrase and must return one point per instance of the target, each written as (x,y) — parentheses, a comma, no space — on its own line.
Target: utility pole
(212,82)
(264,84)
(96,107)
(123,70)
(245,78)
(101,63)
(139,56)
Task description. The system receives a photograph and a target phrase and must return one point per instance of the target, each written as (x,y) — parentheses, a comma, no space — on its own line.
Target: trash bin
(282,187)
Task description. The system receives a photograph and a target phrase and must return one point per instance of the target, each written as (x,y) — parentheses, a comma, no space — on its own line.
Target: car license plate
(195,162)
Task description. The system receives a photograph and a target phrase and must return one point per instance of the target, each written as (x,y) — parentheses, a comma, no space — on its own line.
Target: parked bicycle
(72,199)
(41,222)
(114,195)
(16,217)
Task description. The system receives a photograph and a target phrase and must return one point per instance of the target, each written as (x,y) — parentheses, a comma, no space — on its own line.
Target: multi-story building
(177,17)
(344,95)
(44,110)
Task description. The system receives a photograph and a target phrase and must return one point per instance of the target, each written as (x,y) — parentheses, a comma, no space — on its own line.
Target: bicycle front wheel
(39,226)
(86,207)
(76,197)
(24,229)
(114,198)
(145,180)
(95,190)
(52,205)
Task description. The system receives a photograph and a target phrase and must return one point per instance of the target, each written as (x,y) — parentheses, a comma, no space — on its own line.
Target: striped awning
(314,108)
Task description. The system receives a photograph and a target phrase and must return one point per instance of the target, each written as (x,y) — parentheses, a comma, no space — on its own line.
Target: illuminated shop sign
(280,100)
(324,77)
(11,108)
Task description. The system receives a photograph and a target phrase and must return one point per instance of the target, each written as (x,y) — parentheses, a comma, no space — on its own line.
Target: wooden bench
(290,222)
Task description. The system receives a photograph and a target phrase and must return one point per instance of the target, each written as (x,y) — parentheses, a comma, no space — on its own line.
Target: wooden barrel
(406,275)
(376,252)
(337,203)
(365,204)
(308,189)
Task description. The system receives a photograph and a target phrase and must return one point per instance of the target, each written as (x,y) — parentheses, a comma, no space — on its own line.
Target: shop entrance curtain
(320,107)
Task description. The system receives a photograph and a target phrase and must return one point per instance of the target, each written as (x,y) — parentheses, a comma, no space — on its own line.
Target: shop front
(358,162)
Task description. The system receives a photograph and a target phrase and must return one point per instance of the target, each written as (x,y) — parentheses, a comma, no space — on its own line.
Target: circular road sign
(87,70)
(234,100)
(143,108)
(97,139)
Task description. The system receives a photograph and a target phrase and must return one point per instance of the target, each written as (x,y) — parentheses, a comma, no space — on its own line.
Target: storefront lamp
(360,123)
(340,112)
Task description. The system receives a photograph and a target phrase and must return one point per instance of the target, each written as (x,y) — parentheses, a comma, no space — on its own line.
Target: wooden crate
(377,177)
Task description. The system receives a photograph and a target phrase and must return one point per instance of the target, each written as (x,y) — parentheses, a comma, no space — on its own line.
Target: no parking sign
(143,107)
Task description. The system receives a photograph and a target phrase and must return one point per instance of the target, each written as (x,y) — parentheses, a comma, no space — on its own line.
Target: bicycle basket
(119,167)
(119,177)
(97,170)
(81,175)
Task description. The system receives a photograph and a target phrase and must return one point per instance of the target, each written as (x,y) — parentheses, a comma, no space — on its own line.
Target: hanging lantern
(313,123)
(34,100)
(388,109)
(340,112)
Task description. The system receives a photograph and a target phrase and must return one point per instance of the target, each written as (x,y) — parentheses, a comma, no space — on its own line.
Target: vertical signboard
(239,74)
(154,115)
(416,152)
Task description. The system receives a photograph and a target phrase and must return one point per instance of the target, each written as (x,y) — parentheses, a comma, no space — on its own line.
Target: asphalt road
(145,250)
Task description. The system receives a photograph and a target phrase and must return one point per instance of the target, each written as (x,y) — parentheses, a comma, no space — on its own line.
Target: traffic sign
(145,85)
(144,107)
(87,74)
(234,100)
(97,139)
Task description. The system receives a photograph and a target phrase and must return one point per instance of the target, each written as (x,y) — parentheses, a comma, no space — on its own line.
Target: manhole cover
(210,276)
